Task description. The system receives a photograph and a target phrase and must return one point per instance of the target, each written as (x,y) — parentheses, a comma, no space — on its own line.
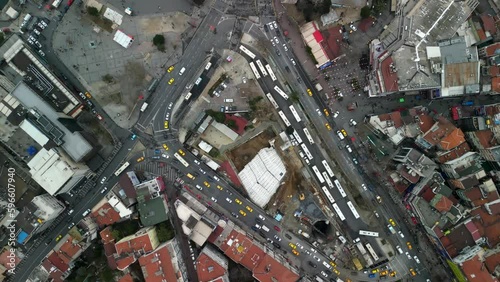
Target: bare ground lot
(243,154)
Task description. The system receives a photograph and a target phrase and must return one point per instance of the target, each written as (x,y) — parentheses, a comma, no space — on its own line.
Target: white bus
(308,135)
(246,51)
(328,195)
(328,169)
(122,168)
(318,175)
(181,159)
(188,96)
(339,212)
(283,117)
(297,136)
(261,68)
(368,233)
(308,154)
(371,251)
(341,190)
(328,181)
(271,73)
(281,92)
(254,69)
(353,209)
(144,106)
(294,113)
(271,99)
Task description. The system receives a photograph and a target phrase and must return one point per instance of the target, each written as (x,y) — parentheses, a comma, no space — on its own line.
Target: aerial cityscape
(236,140)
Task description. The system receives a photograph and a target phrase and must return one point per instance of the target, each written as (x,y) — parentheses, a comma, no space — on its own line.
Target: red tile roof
(124,262)
(439,130)
(475,272)
(491,49)
(54,273)
(208,269)
(454,139)
(490,197)
(481,34)
(334,38)
(492,262)
(443,204)
(390,78)
(106,235)
(110,251)
(486,138)
(133,243)
(426,122)
(494,208)
(474,232)
(157,266)
(365,24)
(455,153)
(489,23)
(69,251)
(241,123)
(495,84)
(106,215)
(270,270)
(5,260)
(487,225)
(58,262)
(494,71)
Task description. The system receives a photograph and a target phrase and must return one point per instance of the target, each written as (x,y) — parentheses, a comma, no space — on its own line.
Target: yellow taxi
(206,184)
(384,273)
(292,245)
(391,221)
(309,92)
(412,272)
(392,274)
(408,244)
(328,126)
(332,264)
(295,252)
(219,187)
(327,113)
(243,213)
(190,176)
(165,147)
(58,238)
(165,124)
(238,201)
(182,152)
(343,132)
(170,69)
(249,209)
(374,270)
(336,271)
(171,81)
(88,95)
(140,159)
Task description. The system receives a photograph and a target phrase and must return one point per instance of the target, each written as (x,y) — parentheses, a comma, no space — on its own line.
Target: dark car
(90,104)
(278,52)
(288,237)
(258,220)
(312,264)
(255,229)
(276,245)
(155,157)
(266,29)
(261,233)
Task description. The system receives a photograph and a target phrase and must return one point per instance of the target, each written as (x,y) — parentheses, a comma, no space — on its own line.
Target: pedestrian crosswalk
(159,169)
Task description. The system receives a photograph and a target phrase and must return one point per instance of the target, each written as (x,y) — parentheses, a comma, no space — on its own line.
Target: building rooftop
(209,269)
(463,235)
(52,270)
(476,272)
(313,38)
(153,211)
(157,265)
(73,143)
(487,225)
(144,240)
(454,139)
(106,215)
(454,153)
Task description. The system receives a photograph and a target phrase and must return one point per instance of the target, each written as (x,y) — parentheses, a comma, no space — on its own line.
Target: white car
(229,200)
(336,114)
(170,106)
(276,40)
(408,255)
(214,199)
(167,116)
(202,171)
(314,250)
(300,246)
(364,187)
(216,178)
(324,274)
(319,112)
(348,148)
(401,234)
(327,265)
(165,156)
(41,53)
(272,41)
(199,187)
(271,26)
(352,122)
(36,31)
(197,162)
(261,217)
(293,62)
(275,24)
(103,180)
(104,190)
(71,225)
(277,238)
(416,259)
(353,27)
(340,135)
(284,47)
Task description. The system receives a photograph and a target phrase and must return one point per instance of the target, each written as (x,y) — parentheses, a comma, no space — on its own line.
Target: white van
(182,71)
(228,100)
(208,66)
(198,81)
(265,228)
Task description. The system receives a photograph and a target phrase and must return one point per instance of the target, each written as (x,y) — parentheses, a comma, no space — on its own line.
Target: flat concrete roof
(74,144)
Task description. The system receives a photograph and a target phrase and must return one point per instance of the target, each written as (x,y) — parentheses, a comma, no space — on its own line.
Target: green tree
(289,130)
(325,7)
(108,78)
(232,124)
(365,12)
(93,11)
(159,39)
(107,274)
(294,97)
(117,235)
(164,231)
(218,116)
(311,55)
